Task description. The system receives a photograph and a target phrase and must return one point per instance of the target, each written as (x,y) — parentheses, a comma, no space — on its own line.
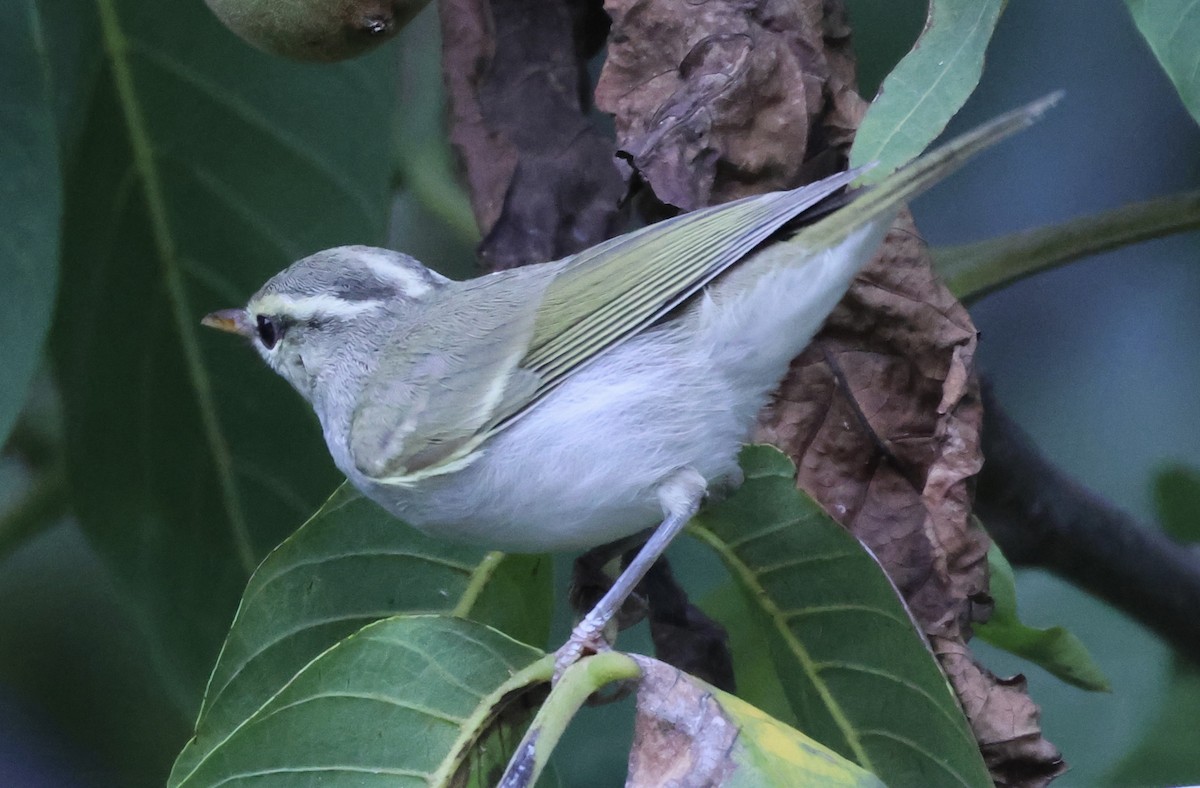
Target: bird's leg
(590,581)
(680,495)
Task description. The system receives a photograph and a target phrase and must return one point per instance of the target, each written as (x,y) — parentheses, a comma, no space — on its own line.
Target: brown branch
(1041,516)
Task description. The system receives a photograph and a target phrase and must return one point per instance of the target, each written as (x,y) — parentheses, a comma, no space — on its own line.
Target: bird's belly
(582,468)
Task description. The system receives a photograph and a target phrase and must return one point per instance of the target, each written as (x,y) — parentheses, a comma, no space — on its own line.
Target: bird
(563,405)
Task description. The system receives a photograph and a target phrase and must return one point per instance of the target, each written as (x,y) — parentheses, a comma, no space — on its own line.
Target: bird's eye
(268,331)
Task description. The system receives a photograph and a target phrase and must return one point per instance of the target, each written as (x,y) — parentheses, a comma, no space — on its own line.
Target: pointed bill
(232,321)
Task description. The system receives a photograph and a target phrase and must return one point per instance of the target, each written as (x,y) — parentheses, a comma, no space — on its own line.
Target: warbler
(566,404)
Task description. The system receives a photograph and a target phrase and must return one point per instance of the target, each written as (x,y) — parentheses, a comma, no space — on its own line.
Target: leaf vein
(116,45)
(319,769)
(801,612)
(793,563)
(251,117)
(305,625)
(917,748)
(860,668)
(373,697)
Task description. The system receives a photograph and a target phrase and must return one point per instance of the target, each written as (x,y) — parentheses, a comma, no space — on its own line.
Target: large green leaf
(1172,29)
(405,701)
(859,677)
(31,196)
(350,565)
(927,87)
(753,668)
(202,167)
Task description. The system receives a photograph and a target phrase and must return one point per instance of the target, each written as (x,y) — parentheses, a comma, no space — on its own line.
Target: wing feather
(608,293)
(506,345)
(506,340)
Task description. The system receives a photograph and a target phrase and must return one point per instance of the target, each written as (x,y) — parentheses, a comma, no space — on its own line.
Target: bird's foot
(588,637)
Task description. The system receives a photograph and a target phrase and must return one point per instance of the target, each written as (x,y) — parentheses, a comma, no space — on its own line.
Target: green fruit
(323,30)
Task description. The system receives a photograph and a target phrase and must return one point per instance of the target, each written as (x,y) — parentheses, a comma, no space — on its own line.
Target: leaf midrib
(805,659)
(536,671)
(116,46)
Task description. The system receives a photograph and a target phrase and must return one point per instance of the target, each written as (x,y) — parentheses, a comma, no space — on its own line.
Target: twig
(1041,516)
(974,270)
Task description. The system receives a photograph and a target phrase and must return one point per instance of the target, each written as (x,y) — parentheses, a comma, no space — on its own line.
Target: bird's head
(316,312)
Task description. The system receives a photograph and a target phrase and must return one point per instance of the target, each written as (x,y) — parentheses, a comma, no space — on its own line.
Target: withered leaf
(543,182)
(715,100)
(883,415)
(691,735)
(1004,718)
(680,735)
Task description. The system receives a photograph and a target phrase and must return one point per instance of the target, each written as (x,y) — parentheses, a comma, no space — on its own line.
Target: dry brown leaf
(543,182)
(714,100)
(883,415)
(688,734)
(681,736)
(1005,720)
(882,412)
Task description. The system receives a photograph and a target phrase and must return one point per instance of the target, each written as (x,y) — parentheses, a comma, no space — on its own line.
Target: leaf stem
(479,580)
(973,270)
(577,684)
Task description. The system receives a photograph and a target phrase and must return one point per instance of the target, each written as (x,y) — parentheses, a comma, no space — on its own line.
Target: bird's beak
(234,321)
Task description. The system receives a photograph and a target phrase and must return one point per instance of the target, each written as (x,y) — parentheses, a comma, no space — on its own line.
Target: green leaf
(404,701)
(1177,499)
(928,86)
(768,752)
(352,564)
(973,270)
(691,733)
(1172,29)
(31,193)
(859,677)
(202,167)
(1058,651)
(578,682)
(757,679)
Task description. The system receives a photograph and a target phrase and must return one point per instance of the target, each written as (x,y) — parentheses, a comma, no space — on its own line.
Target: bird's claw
(585,639)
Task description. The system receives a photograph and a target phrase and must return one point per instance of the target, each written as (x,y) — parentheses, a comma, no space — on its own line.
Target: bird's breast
(581,468)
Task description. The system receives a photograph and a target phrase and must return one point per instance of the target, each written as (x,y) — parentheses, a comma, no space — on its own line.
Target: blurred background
(1098,361)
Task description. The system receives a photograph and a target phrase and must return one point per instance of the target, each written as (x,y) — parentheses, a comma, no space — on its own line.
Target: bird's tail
(913,179)
(764,311)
